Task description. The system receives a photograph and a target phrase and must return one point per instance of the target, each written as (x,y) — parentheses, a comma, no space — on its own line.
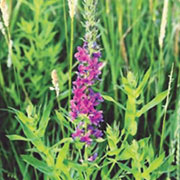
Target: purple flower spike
(85,99)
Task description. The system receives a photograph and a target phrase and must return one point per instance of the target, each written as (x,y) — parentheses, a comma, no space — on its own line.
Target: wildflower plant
(85,99)
(83,113)
(65,133)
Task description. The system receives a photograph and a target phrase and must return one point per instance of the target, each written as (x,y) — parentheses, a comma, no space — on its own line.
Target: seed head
(55,82)
(54,77)
(5,13)
(163,23)
(72,7)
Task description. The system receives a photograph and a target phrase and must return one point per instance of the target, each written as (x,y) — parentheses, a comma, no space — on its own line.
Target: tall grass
(139,41)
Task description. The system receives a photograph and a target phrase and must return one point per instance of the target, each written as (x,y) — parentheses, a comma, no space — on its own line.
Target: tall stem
(65,25)
(165,109)
(71,58)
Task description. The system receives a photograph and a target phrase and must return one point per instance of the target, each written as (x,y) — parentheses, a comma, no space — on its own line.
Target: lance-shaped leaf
(109,98)
(15,137)
(154,165)
(44,120)
(37,142)
(152,103)
(40,165)
(143,83)
(60,160)
(62,155)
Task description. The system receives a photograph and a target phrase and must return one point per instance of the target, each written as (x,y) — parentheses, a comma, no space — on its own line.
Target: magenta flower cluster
(85,100)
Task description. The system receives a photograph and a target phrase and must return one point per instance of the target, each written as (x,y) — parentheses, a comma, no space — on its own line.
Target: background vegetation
(136,61)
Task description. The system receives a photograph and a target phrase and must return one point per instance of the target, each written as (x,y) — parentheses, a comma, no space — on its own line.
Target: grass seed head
(55,82)
(5,12)
(72,7)
(163,23)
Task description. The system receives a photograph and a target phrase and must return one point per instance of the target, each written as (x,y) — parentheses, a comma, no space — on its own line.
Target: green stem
(65,26)
(165,112)
(58,103)
(2,84)
(71,59)
(15,14)
(178,78)
(113,65)
(159,89)
(112,165)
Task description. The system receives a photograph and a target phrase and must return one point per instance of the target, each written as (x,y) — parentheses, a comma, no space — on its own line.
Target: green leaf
(130,151)
(143,83)
(22,166)
(131,80)
(112,137)
(64,140)
(113,152)
(154,165)
(40,165)
(33,138)
(44,120)
(15,137)
(75,165)
(78,144)
(60,117)
(105,169)
(61,120)
(64,168)
(143,142)
(109,98)
(23,117)
(99,140)
(30,110)
(126,168)
(62,155)
(152,103)
(167,166)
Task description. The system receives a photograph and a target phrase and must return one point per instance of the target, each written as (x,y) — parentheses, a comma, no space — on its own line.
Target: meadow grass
(140,84)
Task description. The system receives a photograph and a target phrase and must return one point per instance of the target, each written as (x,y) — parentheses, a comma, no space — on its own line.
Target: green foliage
(134,83)
(152,103)
(133,93)
(108,98)
(41,166)
(15,137)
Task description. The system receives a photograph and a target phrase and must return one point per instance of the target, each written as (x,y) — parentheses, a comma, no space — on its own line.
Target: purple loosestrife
(85,100)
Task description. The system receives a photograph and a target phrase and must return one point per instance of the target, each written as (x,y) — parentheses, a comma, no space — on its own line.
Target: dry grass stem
(163,23)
